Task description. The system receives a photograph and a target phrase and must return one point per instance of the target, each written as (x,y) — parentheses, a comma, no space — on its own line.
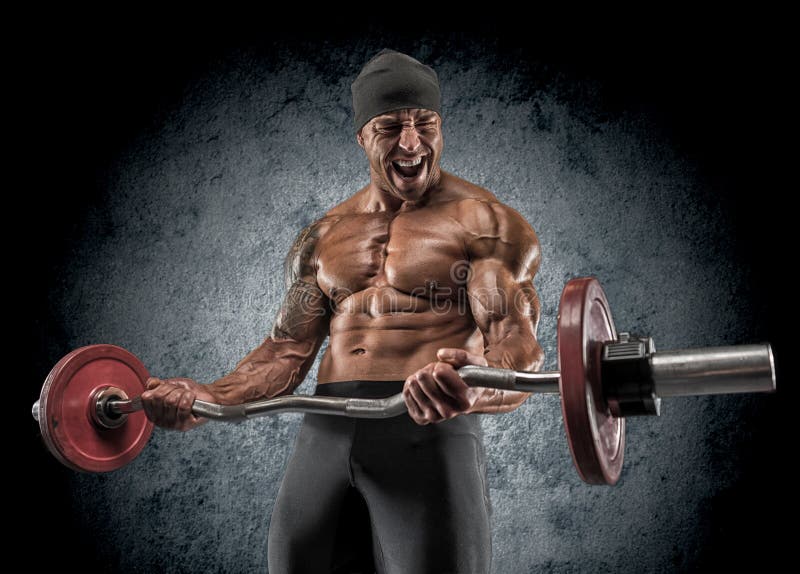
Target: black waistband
(359,389)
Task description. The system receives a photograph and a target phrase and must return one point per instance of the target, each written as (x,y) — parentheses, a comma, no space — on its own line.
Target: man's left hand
(436,393)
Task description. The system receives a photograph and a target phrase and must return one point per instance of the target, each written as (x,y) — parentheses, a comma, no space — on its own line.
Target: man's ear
(360,139)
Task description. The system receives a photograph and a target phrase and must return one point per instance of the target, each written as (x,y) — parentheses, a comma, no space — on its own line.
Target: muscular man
(415,275)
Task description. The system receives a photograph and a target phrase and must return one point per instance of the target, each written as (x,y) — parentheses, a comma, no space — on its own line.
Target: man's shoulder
(312,233)
(351,206)
(493,229)
(479,210)
(475,204)
(456,189)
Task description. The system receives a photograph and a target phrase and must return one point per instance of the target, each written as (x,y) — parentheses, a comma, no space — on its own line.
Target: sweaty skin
(418,273)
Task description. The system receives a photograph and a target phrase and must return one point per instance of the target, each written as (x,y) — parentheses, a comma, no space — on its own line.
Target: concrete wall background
(177,256)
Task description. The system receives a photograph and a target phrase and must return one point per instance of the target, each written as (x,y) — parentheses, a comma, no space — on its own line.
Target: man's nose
(409,139)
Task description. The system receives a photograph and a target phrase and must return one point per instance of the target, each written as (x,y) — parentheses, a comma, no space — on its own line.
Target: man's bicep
(504,259)
(303,315)
(300,262)
(505,308)
(304,312)
(500,299)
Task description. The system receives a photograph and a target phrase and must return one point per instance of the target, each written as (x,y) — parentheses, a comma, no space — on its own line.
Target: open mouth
(408,169)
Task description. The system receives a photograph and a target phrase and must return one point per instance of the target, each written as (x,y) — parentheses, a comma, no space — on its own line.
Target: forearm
(276,367)
(516,353)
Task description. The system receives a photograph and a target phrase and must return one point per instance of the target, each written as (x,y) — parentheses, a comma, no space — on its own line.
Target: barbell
(91,418)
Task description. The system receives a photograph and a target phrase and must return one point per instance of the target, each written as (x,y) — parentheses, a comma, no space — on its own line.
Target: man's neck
(377,199)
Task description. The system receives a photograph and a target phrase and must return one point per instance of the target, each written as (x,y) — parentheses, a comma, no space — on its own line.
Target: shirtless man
(415,275)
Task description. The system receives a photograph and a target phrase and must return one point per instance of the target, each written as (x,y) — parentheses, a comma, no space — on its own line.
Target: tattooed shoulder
(304,302)
(300,260)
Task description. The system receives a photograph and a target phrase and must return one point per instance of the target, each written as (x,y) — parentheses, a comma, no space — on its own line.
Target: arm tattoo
(300,259)
(304,302)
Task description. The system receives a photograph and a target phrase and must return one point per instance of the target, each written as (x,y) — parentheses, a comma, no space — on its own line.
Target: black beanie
(393,81)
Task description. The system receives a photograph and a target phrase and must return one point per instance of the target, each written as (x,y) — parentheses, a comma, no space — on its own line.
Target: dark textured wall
(199,164)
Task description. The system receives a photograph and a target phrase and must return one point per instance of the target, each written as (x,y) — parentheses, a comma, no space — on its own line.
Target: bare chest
(418,252)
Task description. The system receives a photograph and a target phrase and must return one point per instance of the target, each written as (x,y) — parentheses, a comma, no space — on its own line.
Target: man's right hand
(168,402)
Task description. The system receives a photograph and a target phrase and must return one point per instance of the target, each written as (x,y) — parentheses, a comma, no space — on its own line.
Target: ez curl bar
(91,419)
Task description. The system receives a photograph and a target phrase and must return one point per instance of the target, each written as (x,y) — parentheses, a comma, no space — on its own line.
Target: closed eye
(388,128)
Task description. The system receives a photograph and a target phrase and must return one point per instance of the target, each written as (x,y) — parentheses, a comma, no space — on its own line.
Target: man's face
(404,148)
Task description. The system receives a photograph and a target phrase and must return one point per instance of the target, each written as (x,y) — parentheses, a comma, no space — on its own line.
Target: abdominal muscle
(382,334)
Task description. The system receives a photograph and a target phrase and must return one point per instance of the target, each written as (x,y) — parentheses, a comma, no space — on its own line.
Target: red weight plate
(65,409)
(596,438)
